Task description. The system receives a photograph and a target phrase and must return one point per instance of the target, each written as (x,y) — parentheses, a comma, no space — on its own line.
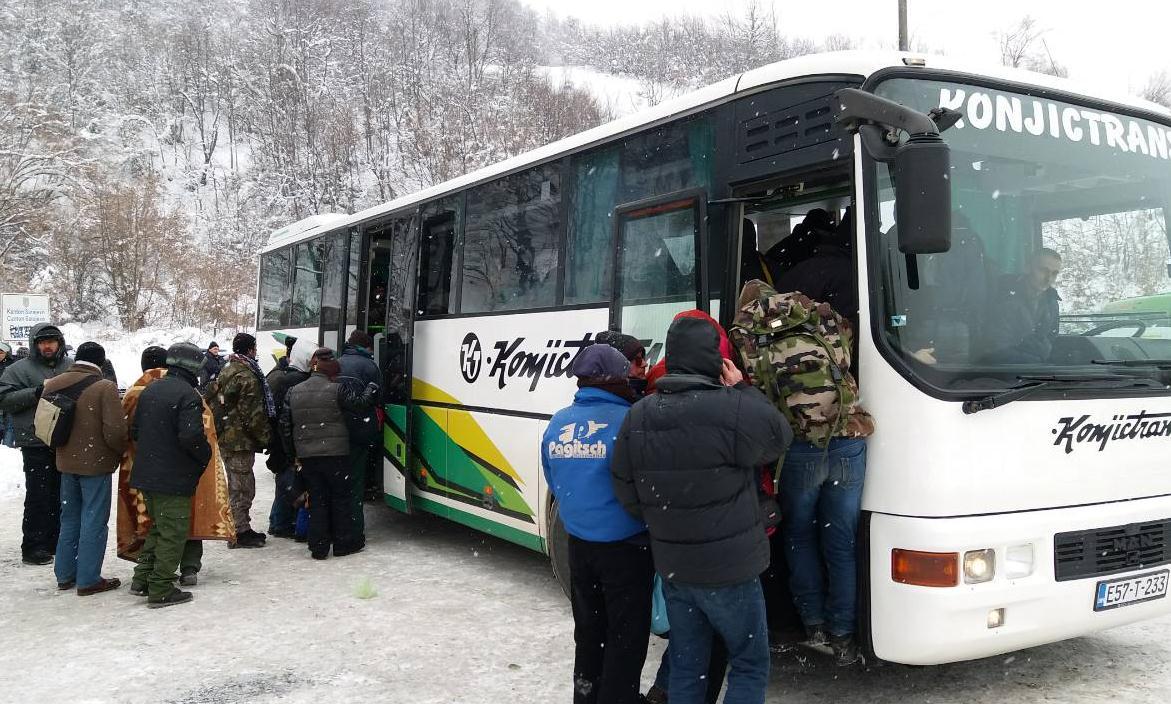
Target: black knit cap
(154,357)
(243,343)
(91,352)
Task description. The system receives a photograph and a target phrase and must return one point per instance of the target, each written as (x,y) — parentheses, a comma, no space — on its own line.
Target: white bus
(1011,500)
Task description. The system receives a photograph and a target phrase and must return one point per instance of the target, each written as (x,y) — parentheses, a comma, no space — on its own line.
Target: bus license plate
(1131,590)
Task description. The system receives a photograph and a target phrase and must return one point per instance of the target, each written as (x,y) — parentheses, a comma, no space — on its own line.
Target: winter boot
(188,579)
(247,539)
(137,589)
(846,650)
(102,585)
(175,597)
(815,635)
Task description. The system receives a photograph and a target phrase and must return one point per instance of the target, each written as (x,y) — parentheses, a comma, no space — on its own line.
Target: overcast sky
(1119,43)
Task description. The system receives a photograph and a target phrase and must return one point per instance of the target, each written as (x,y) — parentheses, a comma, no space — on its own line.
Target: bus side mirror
(922,175)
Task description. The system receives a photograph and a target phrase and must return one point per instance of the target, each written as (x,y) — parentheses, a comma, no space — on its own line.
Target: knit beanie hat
(91,352)
(628,345)
(154,357)
(243,343)
(600,362)
(185,356)
(212,344)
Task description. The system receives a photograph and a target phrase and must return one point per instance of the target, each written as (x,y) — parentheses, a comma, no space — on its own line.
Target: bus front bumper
(920,625)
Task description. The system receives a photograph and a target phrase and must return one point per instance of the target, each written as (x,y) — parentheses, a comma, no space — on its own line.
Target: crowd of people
(183,441)
(673,484)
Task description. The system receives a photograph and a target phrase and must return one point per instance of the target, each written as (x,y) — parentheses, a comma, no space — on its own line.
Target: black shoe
(256,535)
(320,555)
(301,538)
(282,532)
(815,634)
(247,540)
(188,579)
(846,650)
(37,558)
(175,597)
(66,586)
(342,552)
(137,589)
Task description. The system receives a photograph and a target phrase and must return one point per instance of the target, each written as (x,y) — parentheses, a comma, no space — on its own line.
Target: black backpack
(53,421)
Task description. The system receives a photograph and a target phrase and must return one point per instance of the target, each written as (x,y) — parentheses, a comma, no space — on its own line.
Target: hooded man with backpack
(687,461)
(87,462)
(20,389)
(798,352)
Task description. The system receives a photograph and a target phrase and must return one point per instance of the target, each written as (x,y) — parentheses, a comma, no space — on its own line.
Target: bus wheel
(558,547)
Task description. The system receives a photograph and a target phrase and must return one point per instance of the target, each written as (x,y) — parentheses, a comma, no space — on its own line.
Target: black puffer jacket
(359,369)
(687,462)
(313,420)
(281,381)
(168,427)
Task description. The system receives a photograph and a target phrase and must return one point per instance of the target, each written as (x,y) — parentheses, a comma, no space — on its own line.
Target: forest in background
(148,149)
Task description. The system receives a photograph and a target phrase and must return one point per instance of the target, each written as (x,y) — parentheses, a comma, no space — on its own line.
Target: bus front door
(395,248)
(658,269)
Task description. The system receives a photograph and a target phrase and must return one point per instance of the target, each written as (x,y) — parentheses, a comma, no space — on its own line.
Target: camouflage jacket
(237,400)
(797,351)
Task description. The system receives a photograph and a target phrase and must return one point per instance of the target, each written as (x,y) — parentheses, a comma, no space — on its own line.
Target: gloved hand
(39,390)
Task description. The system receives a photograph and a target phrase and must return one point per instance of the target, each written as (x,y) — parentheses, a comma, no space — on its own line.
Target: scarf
(269,404)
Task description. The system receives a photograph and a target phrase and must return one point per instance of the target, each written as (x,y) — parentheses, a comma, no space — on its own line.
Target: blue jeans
(85,515)
(821,499)
(283,517)
(736,615)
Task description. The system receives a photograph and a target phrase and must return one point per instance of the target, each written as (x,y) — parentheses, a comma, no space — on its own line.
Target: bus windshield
(1059,262)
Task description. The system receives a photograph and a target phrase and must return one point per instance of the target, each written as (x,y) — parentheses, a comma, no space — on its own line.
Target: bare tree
(1024,46)
(1158,89)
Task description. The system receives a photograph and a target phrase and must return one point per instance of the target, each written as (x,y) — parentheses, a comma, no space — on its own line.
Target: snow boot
(175,597)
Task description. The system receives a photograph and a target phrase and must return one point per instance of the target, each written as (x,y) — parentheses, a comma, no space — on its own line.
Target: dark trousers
(162,552)
(191,561)
(42,502)
(359,455)
(610,589)
(717,667)
(331,520)
(282,516)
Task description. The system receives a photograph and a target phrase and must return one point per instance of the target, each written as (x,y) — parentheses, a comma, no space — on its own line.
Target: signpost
(19,312)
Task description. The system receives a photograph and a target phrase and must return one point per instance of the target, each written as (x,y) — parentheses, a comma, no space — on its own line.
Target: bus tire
(557,545)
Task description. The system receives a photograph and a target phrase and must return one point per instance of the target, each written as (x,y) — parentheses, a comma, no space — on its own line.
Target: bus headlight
(1018,561)
(979,566)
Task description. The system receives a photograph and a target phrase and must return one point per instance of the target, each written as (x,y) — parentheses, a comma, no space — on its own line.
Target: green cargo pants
(171,519)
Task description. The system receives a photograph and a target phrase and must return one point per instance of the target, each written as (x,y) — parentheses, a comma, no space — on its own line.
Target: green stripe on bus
(484,525)
(395,502)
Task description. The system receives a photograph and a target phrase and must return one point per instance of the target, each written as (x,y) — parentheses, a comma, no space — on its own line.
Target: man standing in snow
(244,410)
(687,460)
(298,361)
(610,567)
(359,370)
(20,389)
(172,454)
(212,365)
(87,461)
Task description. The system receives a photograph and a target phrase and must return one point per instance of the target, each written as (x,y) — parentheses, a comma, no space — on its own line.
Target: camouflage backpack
(797,351)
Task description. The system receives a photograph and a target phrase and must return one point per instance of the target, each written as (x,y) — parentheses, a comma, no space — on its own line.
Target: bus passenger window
(510,242)
(274,289)
(435,268)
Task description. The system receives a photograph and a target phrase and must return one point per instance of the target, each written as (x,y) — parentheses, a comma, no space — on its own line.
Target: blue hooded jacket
(575,455)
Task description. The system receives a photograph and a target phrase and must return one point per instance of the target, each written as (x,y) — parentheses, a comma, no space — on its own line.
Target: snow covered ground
(458,617)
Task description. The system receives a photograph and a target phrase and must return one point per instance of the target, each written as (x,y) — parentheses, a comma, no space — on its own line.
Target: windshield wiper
(1160,363)
(1033,384)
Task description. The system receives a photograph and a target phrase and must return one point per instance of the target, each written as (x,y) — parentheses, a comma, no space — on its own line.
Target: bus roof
(860,64)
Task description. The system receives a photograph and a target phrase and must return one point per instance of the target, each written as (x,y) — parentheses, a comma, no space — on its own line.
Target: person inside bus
(610,568)
(827,274)
(1028,312)
(800,244)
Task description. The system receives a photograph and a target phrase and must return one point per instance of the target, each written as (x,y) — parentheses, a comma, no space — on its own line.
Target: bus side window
(435,267)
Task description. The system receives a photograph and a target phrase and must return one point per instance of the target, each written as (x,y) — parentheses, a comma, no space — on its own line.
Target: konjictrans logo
(1073,432)
(470,357)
